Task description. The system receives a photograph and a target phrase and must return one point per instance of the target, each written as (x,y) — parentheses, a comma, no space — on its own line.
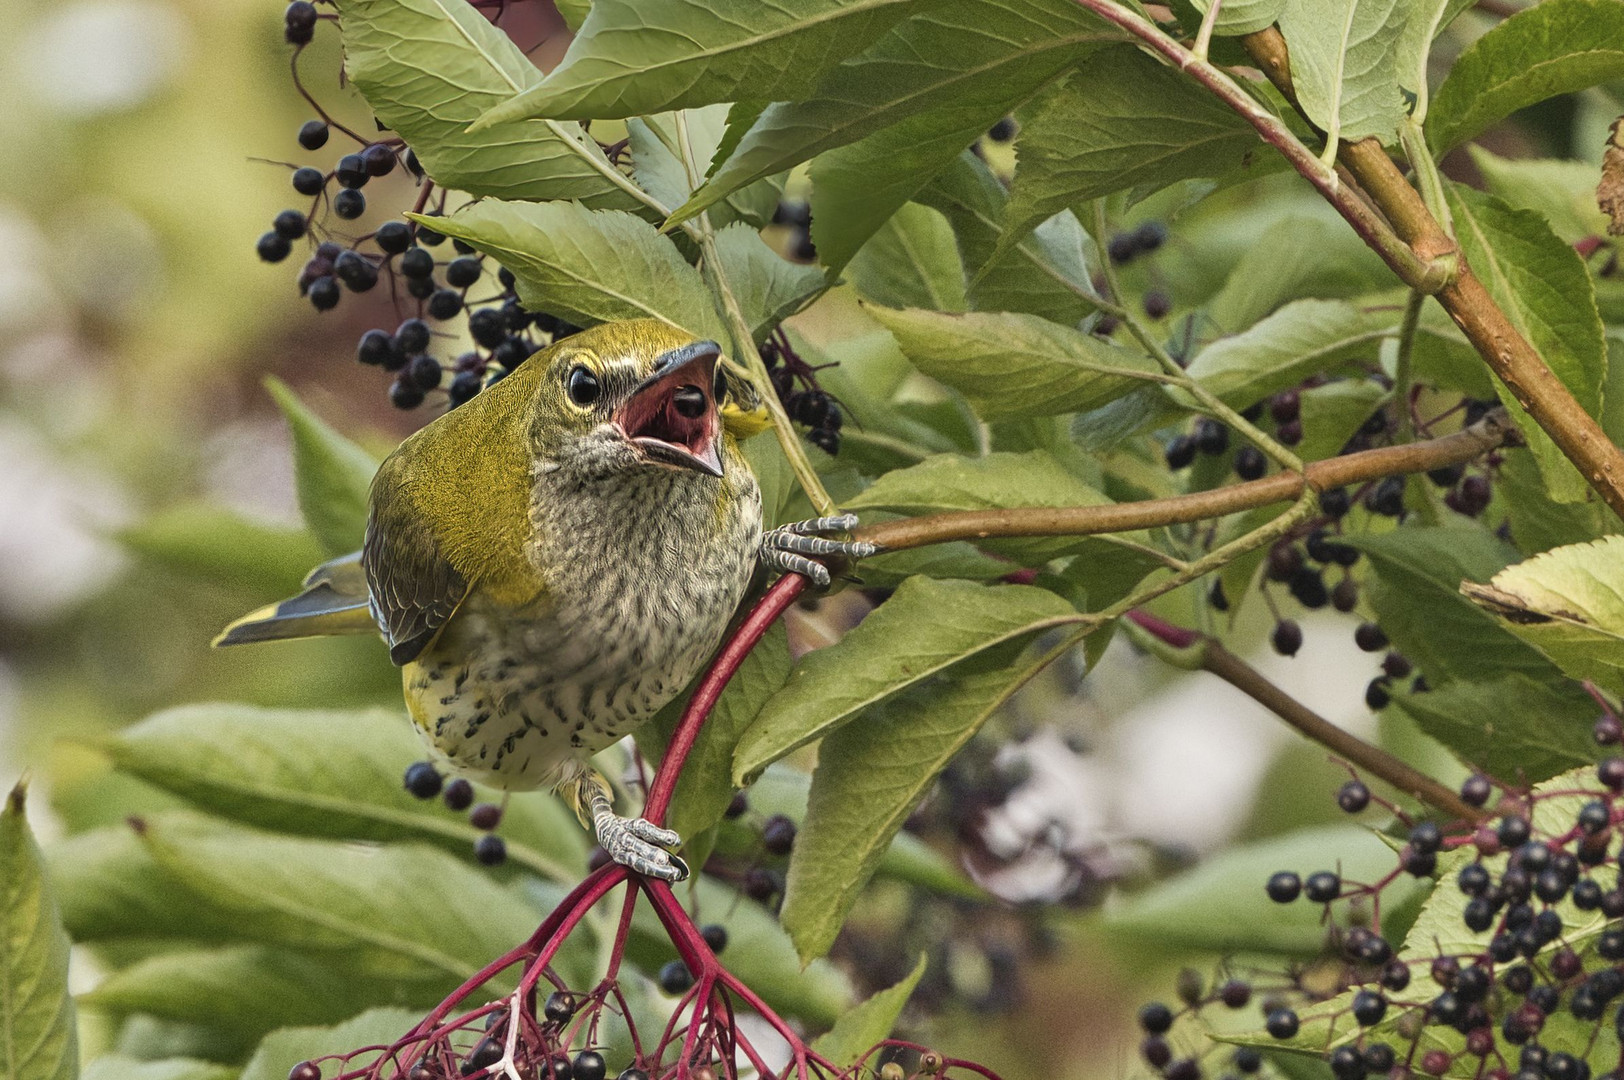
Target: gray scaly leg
(634,843)
(786,548)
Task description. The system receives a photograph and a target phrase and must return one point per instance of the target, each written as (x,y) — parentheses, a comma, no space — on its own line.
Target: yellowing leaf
(1569,604)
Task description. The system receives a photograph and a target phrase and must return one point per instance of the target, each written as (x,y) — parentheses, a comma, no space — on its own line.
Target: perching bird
(553,561)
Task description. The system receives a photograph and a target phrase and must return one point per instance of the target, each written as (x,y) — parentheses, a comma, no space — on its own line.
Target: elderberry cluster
(795,382)
(424,781)
(1543,912)
(401,254)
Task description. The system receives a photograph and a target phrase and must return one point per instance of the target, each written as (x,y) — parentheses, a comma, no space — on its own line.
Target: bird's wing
(415,590)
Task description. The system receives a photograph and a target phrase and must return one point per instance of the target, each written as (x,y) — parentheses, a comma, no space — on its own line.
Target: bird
(554,560)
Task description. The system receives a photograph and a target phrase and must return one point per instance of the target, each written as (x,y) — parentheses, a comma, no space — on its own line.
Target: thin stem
(1416,272)
(1497,340)
(1427,177)
(767,610)
(744,345)
(1203,37)
(1174,371)
(1404,367)
(1491,432)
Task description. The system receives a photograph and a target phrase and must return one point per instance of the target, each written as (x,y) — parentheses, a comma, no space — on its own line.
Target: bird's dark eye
(583,386)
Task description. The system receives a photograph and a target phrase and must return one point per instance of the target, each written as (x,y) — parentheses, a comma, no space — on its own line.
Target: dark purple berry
(511,352)
(1396,975)
(423,780)
(464,387)
(715,935)
(1211,437)
(324,293)
(308,181)
(1250,464)
(1369,637)
(376,348)
(378,160)
(404,394)
(1290,433)
(486,816)
(1322,887)
(675,977)
(1353,796)
(1287,637)
(737,807)
(289,223)
(393,237)
(425,372)
(299,23)
(1336,502)
(1180,451)
(1150,236)
(313,135)
(349,204)
(462,272)
(558,1008)
(1611,773)
(490,850)
(1386,497)
(273,247)
(588,1065)
(1157,303)
(1282,1023)
(1285,406)
(778,835)
(760,884)
(444,304)
(1156,1018)
(1345,597)
(412,337)
(351,171)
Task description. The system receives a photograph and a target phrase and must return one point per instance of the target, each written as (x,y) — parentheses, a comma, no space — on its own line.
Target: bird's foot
(640,845)
(786,548)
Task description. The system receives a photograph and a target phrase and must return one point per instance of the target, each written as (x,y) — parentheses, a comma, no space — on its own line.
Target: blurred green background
(147,496)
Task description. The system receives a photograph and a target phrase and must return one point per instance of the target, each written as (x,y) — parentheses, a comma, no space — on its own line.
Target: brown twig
(1493,431)
(1576,433)
(1211,656)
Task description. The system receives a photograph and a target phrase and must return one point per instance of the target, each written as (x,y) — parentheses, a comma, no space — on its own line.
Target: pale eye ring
(583,386)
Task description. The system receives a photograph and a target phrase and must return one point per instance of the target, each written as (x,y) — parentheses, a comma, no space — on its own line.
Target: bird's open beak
(672,417)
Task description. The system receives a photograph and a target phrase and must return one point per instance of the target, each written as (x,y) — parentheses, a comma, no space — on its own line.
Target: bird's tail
(334,601)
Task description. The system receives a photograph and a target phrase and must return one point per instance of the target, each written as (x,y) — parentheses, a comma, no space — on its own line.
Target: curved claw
(632,842)
(787,547)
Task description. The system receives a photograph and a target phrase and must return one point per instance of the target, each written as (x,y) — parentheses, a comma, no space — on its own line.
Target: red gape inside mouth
(671,418)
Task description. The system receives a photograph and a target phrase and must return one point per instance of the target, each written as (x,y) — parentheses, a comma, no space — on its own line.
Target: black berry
(1322,887)
(675,977)
(313,134)
(308,181)
(444,304)
(349,204)
(490,850)
(422,778)
(299,22)
(324,293)
(778,835)
(462,272)
(352,171)
(588,1065)
(1180,451)
(412,337)
(273,247)
(1250,464)
(1353,796)
(715,935)
(289,223)
(1287,637)
(1369,637)
(394,237)
(404,394)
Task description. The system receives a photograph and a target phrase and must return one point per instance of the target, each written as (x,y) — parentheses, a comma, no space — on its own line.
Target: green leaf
(959,59)
(1043,275)
(1556,47)
(327,773)
(768,287)
(333,475)
(1426,19)
(1569,604)
(1237,17)
(588,266)
(1302,338)
(284,1049)
(1220,906)
(661,172)
(870,776)
(1297,257)
(860,1028)
(38,1040)
(211,543)
(1513,728)
(396,910)
(912,261)
(1544,289)
(117,1067)
(1123,120)
(1416,595)
(1010,364)
(857,187)
(1537,523)
(428,68)
(689,54)
(247,991)
(1562,192)
(1344,65)
(705,785)
(924,630)
(112,890)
